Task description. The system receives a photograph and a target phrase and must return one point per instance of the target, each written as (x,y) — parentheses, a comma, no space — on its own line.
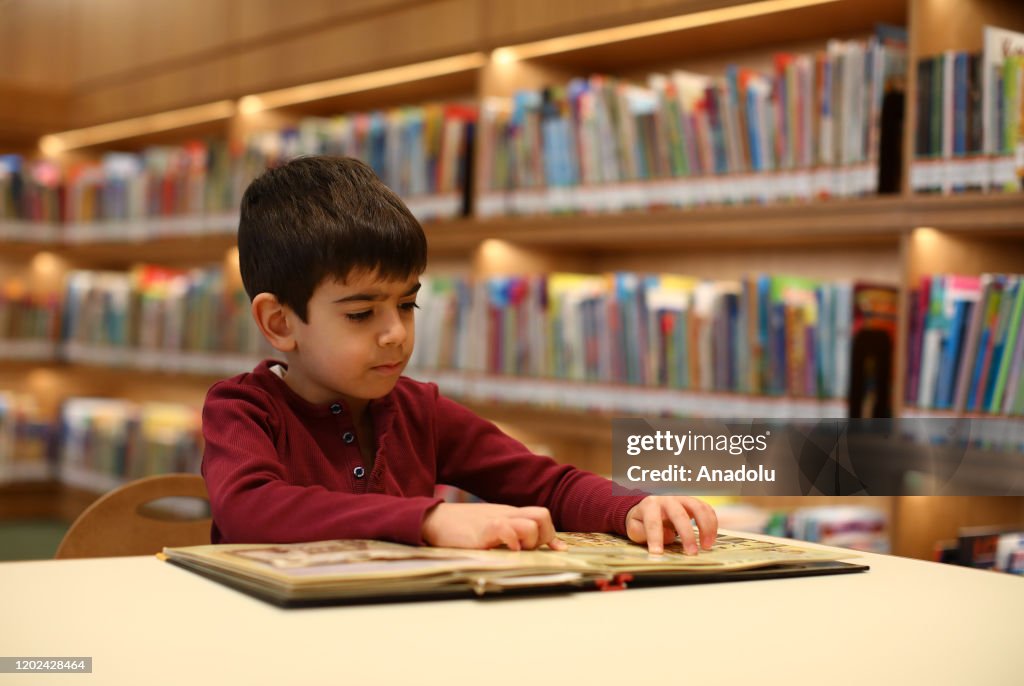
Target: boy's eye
(359,316)
(410,306)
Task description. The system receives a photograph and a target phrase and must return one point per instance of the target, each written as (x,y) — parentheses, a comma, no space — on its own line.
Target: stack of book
(30,190)
(843,526)
(421,153)
(105,442)
(25,439)
(999,548)
(770,335)
(970,114)
(966,351)
(29,322)
(191,315)
(810,127)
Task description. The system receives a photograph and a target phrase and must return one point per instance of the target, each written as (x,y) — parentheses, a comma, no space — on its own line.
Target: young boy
(334,442)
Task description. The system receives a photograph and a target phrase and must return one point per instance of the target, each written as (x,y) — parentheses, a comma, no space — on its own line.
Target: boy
(334,442)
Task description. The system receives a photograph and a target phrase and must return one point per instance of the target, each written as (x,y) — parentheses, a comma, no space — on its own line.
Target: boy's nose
(394,333)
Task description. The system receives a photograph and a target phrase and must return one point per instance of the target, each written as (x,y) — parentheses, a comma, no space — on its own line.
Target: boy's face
(356,340)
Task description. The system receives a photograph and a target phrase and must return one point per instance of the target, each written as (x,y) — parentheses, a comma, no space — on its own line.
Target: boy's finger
(545,527)
(527,532)
(502,532)
(707,522)
(557,544)
(654,530)
(681,521)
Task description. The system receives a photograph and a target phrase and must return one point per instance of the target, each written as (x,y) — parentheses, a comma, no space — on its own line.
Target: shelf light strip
(654,27)
(56,143)
(361,82)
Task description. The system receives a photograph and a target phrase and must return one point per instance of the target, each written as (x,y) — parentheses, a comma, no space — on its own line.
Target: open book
(372,571)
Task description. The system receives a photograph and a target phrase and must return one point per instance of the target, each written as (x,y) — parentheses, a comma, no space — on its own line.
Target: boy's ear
(275,321)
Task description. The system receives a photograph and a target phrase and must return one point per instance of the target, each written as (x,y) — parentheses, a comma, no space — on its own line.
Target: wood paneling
(26,114)
(524,20)
(253,20)
(116,37)
(167,90)
(371,42)
(957,25)
(34,44)
(424,31)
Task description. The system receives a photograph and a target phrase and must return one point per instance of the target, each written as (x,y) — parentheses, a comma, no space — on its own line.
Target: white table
(147,622)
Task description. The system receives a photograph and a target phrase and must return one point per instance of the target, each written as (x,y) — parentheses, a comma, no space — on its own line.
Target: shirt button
(336,408)
(359,472)
(348,437)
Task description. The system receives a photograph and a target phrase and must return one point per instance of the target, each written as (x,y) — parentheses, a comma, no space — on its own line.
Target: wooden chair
(123,523)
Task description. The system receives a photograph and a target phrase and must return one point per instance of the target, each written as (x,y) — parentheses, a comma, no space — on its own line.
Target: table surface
(146,621)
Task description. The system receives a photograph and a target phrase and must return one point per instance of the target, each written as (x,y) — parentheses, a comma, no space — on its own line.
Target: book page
(728,553)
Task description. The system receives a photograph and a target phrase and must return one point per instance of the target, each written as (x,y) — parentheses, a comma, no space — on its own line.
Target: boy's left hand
(656,519)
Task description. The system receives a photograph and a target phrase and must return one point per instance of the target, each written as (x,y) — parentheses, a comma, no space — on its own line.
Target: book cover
(874,340)
(971,340)
(983,356)
(961,293)
(998,44)
(1006,346)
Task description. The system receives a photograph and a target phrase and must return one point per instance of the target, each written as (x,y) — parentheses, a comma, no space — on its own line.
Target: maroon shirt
(280,469)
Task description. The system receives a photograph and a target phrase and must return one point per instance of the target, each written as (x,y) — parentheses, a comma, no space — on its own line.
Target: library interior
(660,208)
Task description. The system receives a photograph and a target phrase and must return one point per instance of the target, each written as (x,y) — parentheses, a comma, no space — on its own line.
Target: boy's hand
(483,525)
(655,520)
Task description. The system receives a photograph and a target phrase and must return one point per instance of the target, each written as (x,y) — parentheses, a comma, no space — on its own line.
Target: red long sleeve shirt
(280,469)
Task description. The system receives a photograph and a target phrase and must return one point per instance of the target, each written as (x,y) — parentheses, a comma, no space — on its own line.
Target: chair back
(122,522)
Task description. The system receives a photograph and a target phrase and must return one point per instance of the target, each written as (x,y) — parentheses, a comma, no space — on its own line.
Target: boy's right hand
(483,525)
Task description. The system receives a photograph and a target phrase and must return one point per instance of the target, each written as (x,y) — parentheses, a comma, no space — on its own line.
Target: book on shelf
(159,310)
(808,127)
(773,335)
(354,571)
(107,441)
(1010,553)
(872,350)
(27,317)
(845,526)
(970,344)
(970,117)
(991,547)
(424,153)
(26,439)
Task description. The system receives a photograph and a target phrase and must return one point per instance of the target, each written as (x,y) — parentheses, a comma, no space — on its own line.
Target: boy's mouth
(388,368)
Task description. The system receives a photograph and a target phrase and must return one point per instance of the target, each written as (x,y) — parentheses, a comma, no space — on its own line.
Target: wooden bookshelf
(895,238)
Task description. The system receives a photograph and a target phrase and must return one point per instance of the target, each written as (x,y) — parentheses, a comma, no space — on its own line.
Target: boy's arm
(473,454)
(251,501)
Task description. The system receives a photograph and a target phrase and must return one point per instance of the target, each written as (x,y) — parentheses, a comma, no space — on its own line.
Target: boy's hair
(319,217)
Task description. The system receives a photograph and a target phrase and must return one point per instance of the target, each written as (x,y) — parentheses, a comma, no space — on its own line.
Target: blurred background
(693,208)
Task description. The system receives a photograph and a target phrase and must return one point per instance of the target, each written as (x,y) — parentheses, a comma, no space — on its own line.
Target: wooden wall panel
(190,85)
(260,19)
(118,37)
(957,25)
(525,20)
(27,114)
(420,31)
(395,37)
(34,40)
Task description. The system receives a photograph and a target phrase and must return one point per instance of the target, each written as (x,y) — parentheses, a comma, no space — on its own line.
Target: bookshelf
(894,238)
